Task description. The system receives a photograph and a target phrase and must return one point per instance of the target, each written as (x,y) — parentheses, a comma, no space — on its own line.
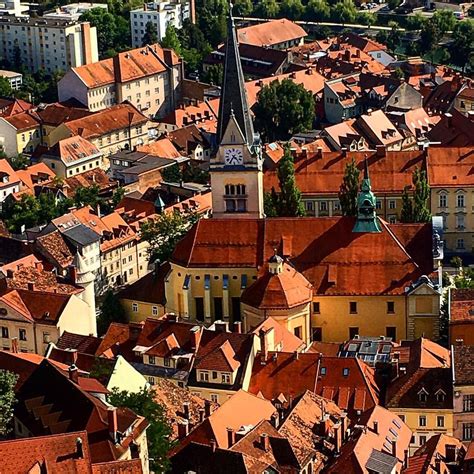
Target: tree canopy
(7,400)
(415,208)
(111,311)
(282,109)
(349,189)
(151,34)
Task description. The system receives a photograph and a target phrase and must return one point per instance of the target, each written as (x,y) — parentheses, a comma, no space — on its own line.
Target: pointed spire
(233,93)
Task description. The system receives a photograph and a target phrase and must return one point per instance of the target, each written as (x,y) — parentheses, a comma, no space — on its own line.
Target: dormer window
(440,395)
(423,395)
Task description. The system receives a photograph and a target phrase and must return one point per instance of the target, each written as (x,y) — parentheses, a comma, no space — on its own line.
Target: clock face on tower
(233,156)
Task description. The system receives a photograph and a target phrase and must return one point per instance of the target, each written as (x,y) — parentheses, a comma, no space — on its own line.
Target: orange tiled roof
(349,257)
(284,339)
(23,121)
(55,249)
(450,167)
(462,305)
(106,121)
(126,66)
(270,33)
(34,174)
(201,203)
(53,453)
(94,177)
(10,107)
(8,171)
(380,126)
(284,290)
(129,466)
(72,149)
(163,148)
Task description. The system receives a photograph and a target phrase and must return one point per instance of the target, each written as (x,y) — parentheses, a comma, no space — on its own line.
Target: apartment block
(48,44)
(149,78)
(161,14)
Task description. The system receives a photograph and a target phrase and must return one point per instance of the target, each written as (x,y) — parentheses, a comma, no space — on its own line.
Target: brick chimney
(263,346)
(265,442)
(183,429)
(195,336)
(31,286)
(186,411)
(376,427)
(79,448)
(73,373)
(113,423)
(238,327)
(394,448)
(230,437)
(207,408)
(381,151)
(201,415)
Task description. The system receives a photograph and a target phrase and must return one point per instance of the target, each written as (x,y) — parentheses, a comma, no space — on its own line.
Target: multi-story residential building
(72,156)
(14,78)
(149,78)
(451,182)
(342,98)
(117,128)
(10,182)
(161,14)
(48,44)
(20,133)
(464,100)
(463,375)
(423,399)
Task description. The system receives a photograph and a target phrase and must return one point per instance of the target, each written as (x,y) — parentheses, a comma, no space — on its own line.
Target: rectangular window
(199,308)
(392,204)
(422,440)
(323,206)
(46,338)
(353,307)
(22,334)
(467,431)
(218,311)
(154,310)
(391,332)
(214,398)
(353,332)
(204,376)
(214,375)
(5,332)
(298,331)
(440,421)
(460,200)
(135,307)
(167,362)
(467,402)
(317,334)
(422,420)
(225,378)
(151,360)
(316,308)
(390,307)
(443,200)
(378,204)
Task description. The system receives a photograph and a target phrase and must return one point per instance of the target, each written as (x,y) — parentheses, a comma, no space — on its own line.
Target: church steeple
(367,220)
(233,95)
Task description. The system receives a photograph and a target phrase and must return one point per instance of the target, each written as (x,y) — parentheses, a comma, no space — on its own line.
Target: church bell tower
(236,166)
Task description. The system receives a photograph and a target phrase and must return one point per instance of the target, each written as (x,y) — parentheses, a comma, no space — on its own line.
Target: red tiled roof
(284,339)
(54,453)
(463,361)
(23,121)
(55,114)
(284,290)
(13,106)
(271,33)
(450,167)
(462,305)
(162,148)
(55,249)
(106,121)
(130,466)
(453,129)
(6,169)
(350,257)
(38,172)
(72,149)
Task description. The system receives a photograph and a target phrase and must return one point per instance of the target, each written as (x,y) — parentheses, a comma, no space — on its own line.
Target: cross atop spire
(233,93)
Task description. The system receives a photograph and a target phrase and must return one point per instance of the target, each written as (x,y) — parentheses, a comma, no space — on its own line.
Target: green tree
(318,10)
(289,203)
(87,196)
(344,12)
(111,311)
(415,22)
(270,203)
(463,43)
(164,232)
(7,400)
(172,174)
(429,36)
(151,34)
(349,189)
(444,19)
(214,74)
(292,9)
(212,20)
(158,433)
(366,18)
(23,212)
(393,37)
(415,208)
(282,109)
(267,9)
(5,88)
(392,4)
(171,40)
(19,162)
(117,196)
(243,7)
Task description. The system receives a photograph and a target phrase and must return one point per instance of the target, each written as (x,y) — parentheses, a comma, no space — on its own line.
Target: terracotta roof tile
(130,466)
(162,148)
(284,290)
(10,107)
(72,149)
(57,113)
(54,453)
(462,305)
(79,342)
(23,121)
(55,249)
(453,129)
(463,361)
(450,167)
(271,33)
(35,174)
(284,339)
(8,171)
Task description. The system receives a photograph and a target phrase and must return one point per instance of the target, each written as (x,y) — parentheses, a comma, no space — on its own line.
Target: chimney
(73,373)
(221,326)
(296,355)
(186,410)
(213,445)
(319,153)
(344,151)
(238,327)
(376,427)
(449,119)
(80,131)
(450,453)
(201,415)
(9,273)
(406,459)
(15,345)
(337,439)
(380,151)
(183,429)
(275,420)
(263,346)
(394,448)
(438,465)
(207,408)
(195,333)
(113,423)
(79,448)
(31,286)
(347,54)
(230,437)
(265,442)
